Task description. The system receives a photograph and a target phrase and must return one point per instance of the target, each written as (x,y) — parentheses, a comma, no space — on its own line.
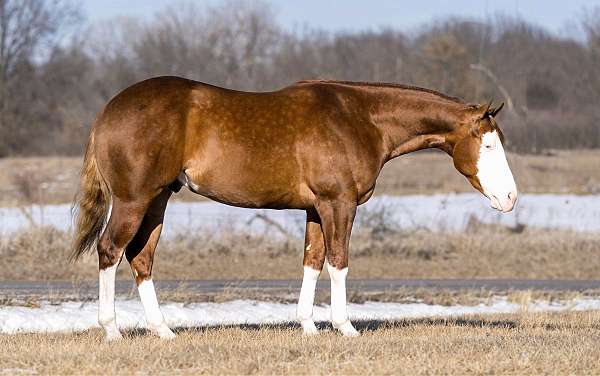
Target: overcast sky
(555,15)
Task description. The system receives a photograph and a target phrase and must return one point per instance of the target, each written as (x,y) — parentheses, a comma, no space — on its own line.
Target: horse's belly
(249,189)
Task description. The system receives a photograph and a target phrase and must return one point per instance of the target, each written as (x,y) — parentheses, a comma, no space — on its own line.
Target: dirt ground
(515,344)
(54,179)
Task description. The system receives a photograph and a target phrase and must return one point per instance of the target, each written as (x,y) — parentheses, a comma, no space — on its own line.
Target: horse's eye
(488,147)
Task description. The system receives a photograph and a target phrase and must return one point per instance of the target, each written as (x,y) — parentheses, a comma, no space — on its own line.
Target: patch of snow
(78,316)
(447,212)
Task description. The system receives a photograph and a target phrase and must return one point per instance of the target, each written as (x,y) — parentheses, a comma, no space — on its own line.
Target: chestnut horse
(315,145)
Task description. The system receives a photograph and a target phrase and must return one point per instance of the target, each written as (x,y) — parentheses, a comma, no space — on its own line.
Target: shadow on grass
(361,326)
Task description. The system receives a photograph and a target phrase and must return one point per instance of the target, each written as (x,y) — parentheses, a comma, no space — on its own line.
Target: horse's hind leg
(125,219)
(140,254)
(314,257)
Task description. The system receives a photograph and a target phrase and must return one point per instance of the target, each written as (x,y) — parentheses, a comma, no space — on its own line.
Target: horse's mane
(386,84)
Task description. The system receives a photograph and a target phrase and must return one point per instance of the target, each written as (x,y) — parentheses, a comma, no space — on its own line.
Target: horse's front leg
(336,222)
(314,257)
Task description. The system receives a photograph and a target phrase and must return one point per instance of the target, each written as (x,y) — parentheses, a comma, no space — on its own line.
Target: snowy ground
(77,316)
(435,212)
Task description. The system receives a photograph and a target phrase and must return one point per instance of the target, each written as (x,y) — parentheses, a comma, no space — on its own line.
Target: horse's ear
(484,110)
(494,111)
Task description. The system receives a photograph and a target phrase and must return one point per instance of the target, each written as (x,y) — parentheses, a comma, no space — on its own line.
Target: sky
(558,16)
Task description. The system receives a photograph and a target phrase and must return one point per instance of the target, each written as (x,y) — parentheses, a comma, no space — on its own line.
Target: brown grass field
(514,344)
(54,179)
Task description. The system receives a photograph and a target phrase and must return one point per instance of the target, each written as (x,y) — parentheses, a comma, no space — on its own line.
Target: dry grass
(48,180)
(54,179)
(517,344)
(481,252)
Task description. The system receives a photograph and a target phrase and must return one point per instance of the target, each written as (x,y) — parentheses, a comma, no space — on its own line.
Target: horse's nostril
(511,195)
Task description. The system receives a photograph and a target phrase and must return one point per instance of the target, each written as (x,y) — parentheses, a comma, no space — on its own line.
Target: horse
(316,145)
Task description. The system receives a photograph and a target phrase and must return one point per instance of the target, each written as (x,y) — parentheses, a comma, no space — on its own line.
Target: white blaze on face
(494,175)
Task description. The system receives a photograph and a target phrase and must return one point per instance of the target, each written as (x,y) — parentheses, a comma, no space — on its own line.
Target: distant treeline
(56,72)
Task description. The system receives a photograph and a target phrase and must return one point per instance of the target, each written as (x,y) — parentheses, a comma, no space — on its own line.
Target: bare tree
(50,90)
(485,70)
(28,25)
(28,29)
(230,44)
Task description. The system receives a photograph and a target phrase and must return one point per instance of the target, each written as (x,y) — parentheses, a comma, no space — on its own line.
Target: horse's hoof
(113,336)
(309,328)
(347,329)
(163,332)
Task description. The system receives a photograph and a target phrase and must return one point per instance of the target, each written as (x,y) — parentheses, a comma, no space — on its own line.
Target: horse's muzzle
(506,203)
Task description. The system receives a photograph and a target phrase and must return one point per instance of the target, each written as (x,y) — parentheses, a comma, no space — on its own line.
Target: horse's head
(478,154)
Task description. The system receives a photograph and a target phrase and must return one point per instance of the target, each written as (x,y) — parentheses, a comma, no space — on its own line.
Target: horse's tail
(92,202)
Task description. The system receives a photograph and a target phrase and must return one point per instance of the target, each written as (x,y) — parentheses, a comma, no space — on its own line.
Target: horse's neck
(411,120)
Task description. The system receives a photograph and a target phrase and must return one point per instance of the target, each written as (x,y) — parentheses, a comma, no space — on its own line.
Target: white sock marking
(106,302)
(339,313)
(306,300)
(154,317)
